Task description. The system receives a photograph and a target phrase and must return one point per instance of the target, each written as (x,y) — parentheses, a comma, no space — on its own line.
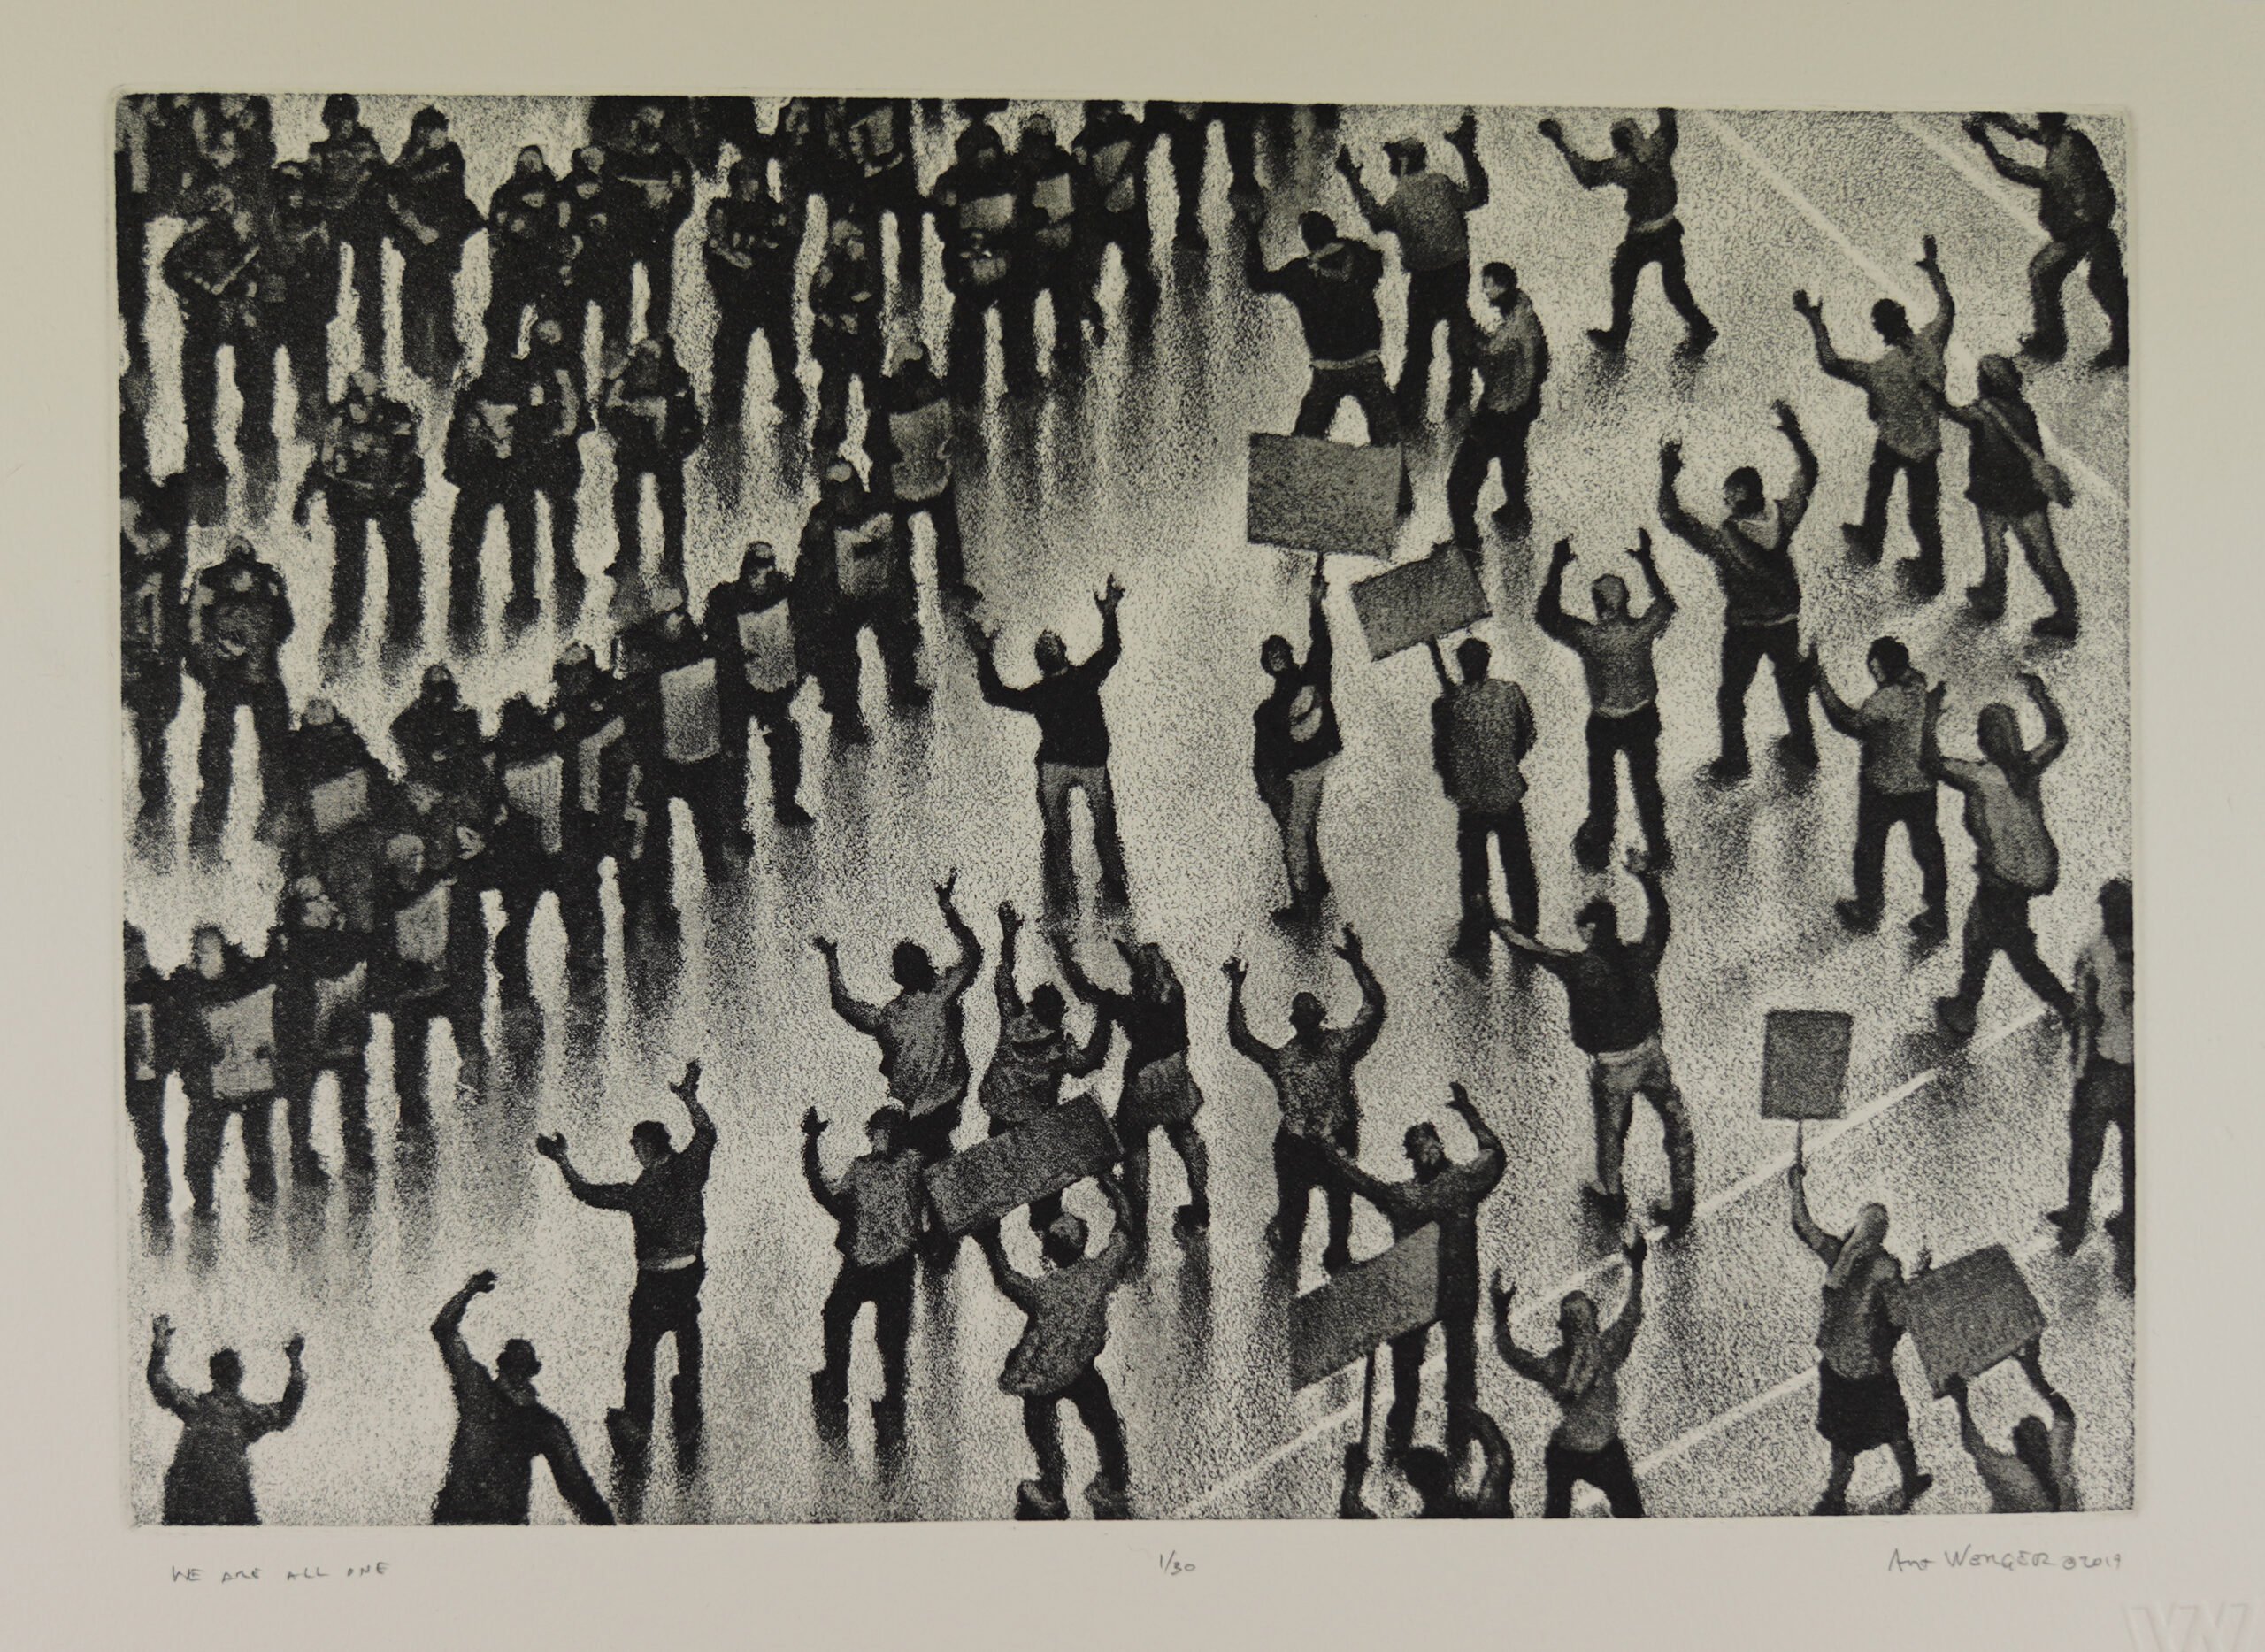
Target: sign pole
(1368,1396)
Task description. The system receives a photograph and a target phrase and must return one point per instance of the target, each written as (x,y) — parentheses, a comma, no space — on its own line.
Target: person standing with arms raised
(1891,784)
(1295,739)
(1615,650)
(209,1482)
(1429,213)
(2076,206)
(1643,166)
(1072,746)
(1481,730)
(1313,1084)
(668,1209)
(1902,388)
(1612,997)
(1582,1374)
(1752,550)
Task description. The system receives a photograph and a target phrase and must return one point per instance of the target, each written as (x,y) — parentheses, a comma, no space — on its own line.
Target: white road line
(1589,1497)
(1544,1305)
(1962,162)
(1855,255)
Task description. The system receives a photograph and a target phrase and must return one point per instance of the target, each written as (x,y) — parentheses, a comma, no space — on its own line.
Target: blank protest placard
(534,790)
(1310,493)
(1007,1172)
(1419,601)
(1805,1063)
(1967,1315)
(1365,1305)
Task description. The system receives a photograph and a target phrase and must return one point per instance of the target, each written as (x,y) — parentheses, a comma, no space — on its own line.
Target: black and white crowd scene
(622,599)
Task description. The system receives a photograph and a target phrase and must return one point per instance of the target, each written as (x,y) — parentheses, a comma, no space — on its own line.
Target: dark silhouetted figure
(877,1201)
(1481,730)
(1313,1084)
(501,1428)
(668,1209)
(2076,206)
(2104,1071)
(209,1482)
(1891,785)
(1615,650)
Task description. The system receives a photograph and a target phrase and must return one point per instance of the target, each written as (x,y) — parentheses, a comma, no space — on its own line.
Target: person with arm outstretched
(1582,1374)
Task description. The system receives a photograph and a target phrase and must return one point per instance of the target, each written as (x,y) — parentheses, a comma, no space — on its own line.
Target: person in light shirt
(1583,1375)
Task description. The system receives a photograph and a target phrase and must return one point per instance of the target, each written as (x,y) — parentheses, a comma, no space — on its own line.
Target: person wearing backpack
(2013,487)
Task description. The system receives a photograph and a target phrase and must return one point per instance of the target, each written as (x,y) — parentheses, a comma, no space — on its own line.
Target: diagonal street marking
(1962,162)
(1542,1305)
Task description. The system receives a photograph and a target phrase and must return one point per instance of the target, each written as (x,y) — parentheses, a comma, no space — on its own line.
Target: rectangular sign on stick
(534,790)
(1967,1315)
(691,722)
(1417,602)
(1029,1162)
(1308,493)
(1805,1063)
(1364,1306)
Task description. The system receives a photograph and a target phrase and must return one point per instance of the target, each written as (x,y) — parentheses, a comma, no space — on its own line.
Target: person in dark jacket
(1313,1084)
(209,1481)
(853,572)
(1113,147)
(239,619)
(1072,746)
(983,215)
(300,258)
(845,342)
(667,1207)
(482,459)
(1060,192)
(1333,288)
(1891,784)
(431,220)
(750,250)
(656,197)
(529,833)
(501,1428)
(370,470)
(2015,858)
(1447,1194)
(322,1024)
(592,254)
(1428,213)
(1035,1053)
(1187,128)
(1752,550)
(1615,650)
(219,1008)
(153,562)
(349,169)
(522,224)
(653,416)
(676,733)
(588,717)
(149,1058)
(214,269)
(1066,1328)
(1612,998)
(879,1202)
(908,439)
(2076,206)
(437,735)
(879,175)
(750,623)
(548,445)
(1902,388)
(2004,460)
(1296,738)
(1481,730)
(1643,166)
